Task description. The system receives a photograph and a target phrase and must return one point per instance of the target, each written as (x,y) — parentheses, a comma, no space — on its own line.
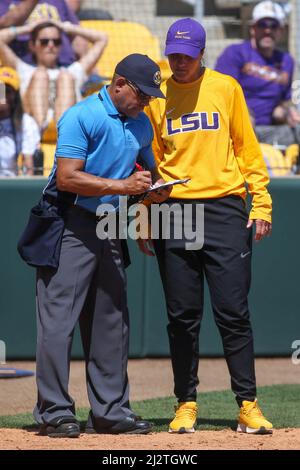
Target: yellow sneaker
(185,417)
(251,419)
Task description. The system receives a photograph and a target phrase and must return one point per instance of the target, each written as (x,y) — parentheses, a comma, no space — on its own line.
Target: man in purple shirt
(18,15)
(265,74)
(48,10)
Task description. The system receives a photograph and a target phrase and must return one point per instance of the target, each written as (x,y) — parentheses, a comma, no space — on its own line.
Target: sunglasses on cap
(45,41)
(141,95)
(267,24)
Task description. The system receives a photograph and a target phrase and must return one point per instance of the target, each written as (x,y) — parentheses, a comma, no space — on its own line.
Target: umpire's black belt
(80,210)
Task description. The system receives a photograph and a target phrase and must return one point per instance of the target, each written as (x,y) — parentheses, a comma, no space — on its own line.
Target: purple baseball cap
(185,36)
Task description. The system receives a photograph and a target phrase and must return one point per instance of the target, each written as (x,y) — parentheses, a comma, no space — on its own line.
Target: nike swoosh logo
(182,32)
(170,110)
(243,255)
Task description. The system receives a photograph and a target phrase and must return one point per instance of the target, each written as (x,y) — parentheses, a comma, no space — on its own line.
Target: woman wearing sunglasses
(48,89)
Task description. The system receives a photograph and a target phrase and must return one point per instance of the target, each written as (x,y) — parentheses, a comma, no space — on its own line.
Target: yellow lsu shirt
(203,131)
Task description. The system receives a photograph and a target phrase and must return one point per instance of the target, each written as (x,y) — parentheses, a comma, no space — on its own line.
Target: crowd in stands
(265,74)
(46,58)
(17,129)
(46,85)
(50,55)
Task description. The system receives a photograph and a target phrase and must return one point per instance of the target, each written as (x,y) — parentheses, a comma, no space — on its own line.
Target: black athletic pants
(225,260)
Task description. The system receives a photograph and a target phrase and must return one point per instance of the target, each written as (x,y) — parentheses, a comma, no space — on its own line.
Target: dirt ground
(149,378)
(287,439)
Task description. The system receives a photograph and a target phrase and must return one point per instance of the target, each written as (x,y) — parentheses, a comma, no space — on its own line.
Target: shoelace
(254,410)
(185,411)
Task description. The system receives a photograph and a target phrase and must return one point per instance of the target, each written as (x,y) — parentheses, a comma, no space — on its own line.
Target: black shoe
(126,426)
(65,426)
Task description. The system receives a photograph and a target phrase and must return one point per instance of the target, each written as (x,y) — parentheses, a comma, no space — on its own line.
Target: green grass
(218,410)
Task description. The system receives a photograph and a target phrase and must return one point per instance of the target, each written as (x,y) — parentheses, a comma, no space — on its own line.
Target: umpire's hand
(137,183)
(160,195)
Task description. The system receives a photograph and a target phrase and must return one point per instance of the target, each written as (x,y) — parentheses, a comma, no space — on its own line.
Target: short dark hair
(39,27)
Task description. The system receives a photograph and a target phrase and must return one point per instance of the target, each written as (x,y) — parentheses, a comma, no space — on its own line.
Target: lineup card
(168,183)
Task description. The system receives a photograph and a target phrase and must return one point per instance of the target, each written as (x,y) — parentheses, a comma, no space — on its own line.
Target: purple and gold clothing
(48,10)
(265,82)
(203,131)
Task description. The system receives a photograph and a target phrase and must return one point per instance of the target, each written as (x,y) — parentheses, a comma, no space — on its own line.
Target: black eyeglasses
(45,41)
(141,95)
(267,24)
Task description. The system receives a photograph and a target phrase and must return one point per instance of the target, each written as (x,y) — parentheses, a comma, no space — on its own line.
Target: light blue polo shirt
(92,130)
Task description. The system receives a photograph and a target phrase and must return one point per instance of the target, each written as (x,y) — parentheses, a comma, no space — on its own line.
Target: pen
(139,167)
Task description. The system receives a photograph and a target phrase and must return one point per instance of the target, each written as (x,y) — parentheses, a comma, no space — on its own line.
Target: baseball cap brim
(10,78)
(191,51)
(151,91)
(254,21)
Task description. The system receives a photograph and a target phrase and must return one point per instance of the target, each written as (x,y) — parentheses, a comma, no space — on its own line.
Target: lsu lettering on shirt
(203,131)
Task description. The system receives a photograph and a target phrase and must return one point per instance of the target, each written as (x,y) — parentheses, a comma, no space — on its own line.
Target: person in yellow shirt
(203,131)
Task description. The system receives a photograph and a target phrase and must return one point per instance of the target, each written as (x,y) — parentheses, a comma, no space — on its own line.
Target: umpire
(99,140)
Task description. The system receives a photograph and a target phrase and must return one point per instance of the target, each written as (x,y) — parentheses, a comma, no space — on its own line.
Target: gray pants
(90,286)
(278,135)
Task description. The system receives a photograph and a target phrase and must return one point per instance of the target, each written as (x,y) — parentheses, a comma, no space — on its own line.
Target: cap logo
(182,35)
(6,74)
(157,78)
(185,36)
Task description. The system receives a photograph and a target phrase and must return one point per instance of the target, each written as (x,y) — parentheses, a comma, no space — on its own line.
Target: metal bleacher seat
(228,3)
(94,14)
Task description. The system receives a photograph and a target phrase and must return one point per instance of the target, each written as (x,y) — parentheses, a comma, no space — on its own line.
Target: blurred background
(140,26)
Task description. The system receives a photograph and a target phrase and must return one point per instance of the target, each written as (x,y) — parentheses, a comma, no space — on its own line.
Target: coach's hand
(145,242)
(137,183)
(262,228)
(146,246)
(160,195)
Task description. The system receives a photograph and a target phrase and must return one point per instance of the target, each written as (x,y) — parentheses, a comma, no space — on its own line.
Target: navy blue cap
(143,72)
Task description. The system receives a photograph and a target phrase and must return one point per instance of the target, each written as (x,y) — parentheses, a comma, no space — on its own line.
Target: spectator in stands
(18,131)
(74,5)
(90,12)
(265,74)
(18,15)
(47,86)
(72,47)
(94,81)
